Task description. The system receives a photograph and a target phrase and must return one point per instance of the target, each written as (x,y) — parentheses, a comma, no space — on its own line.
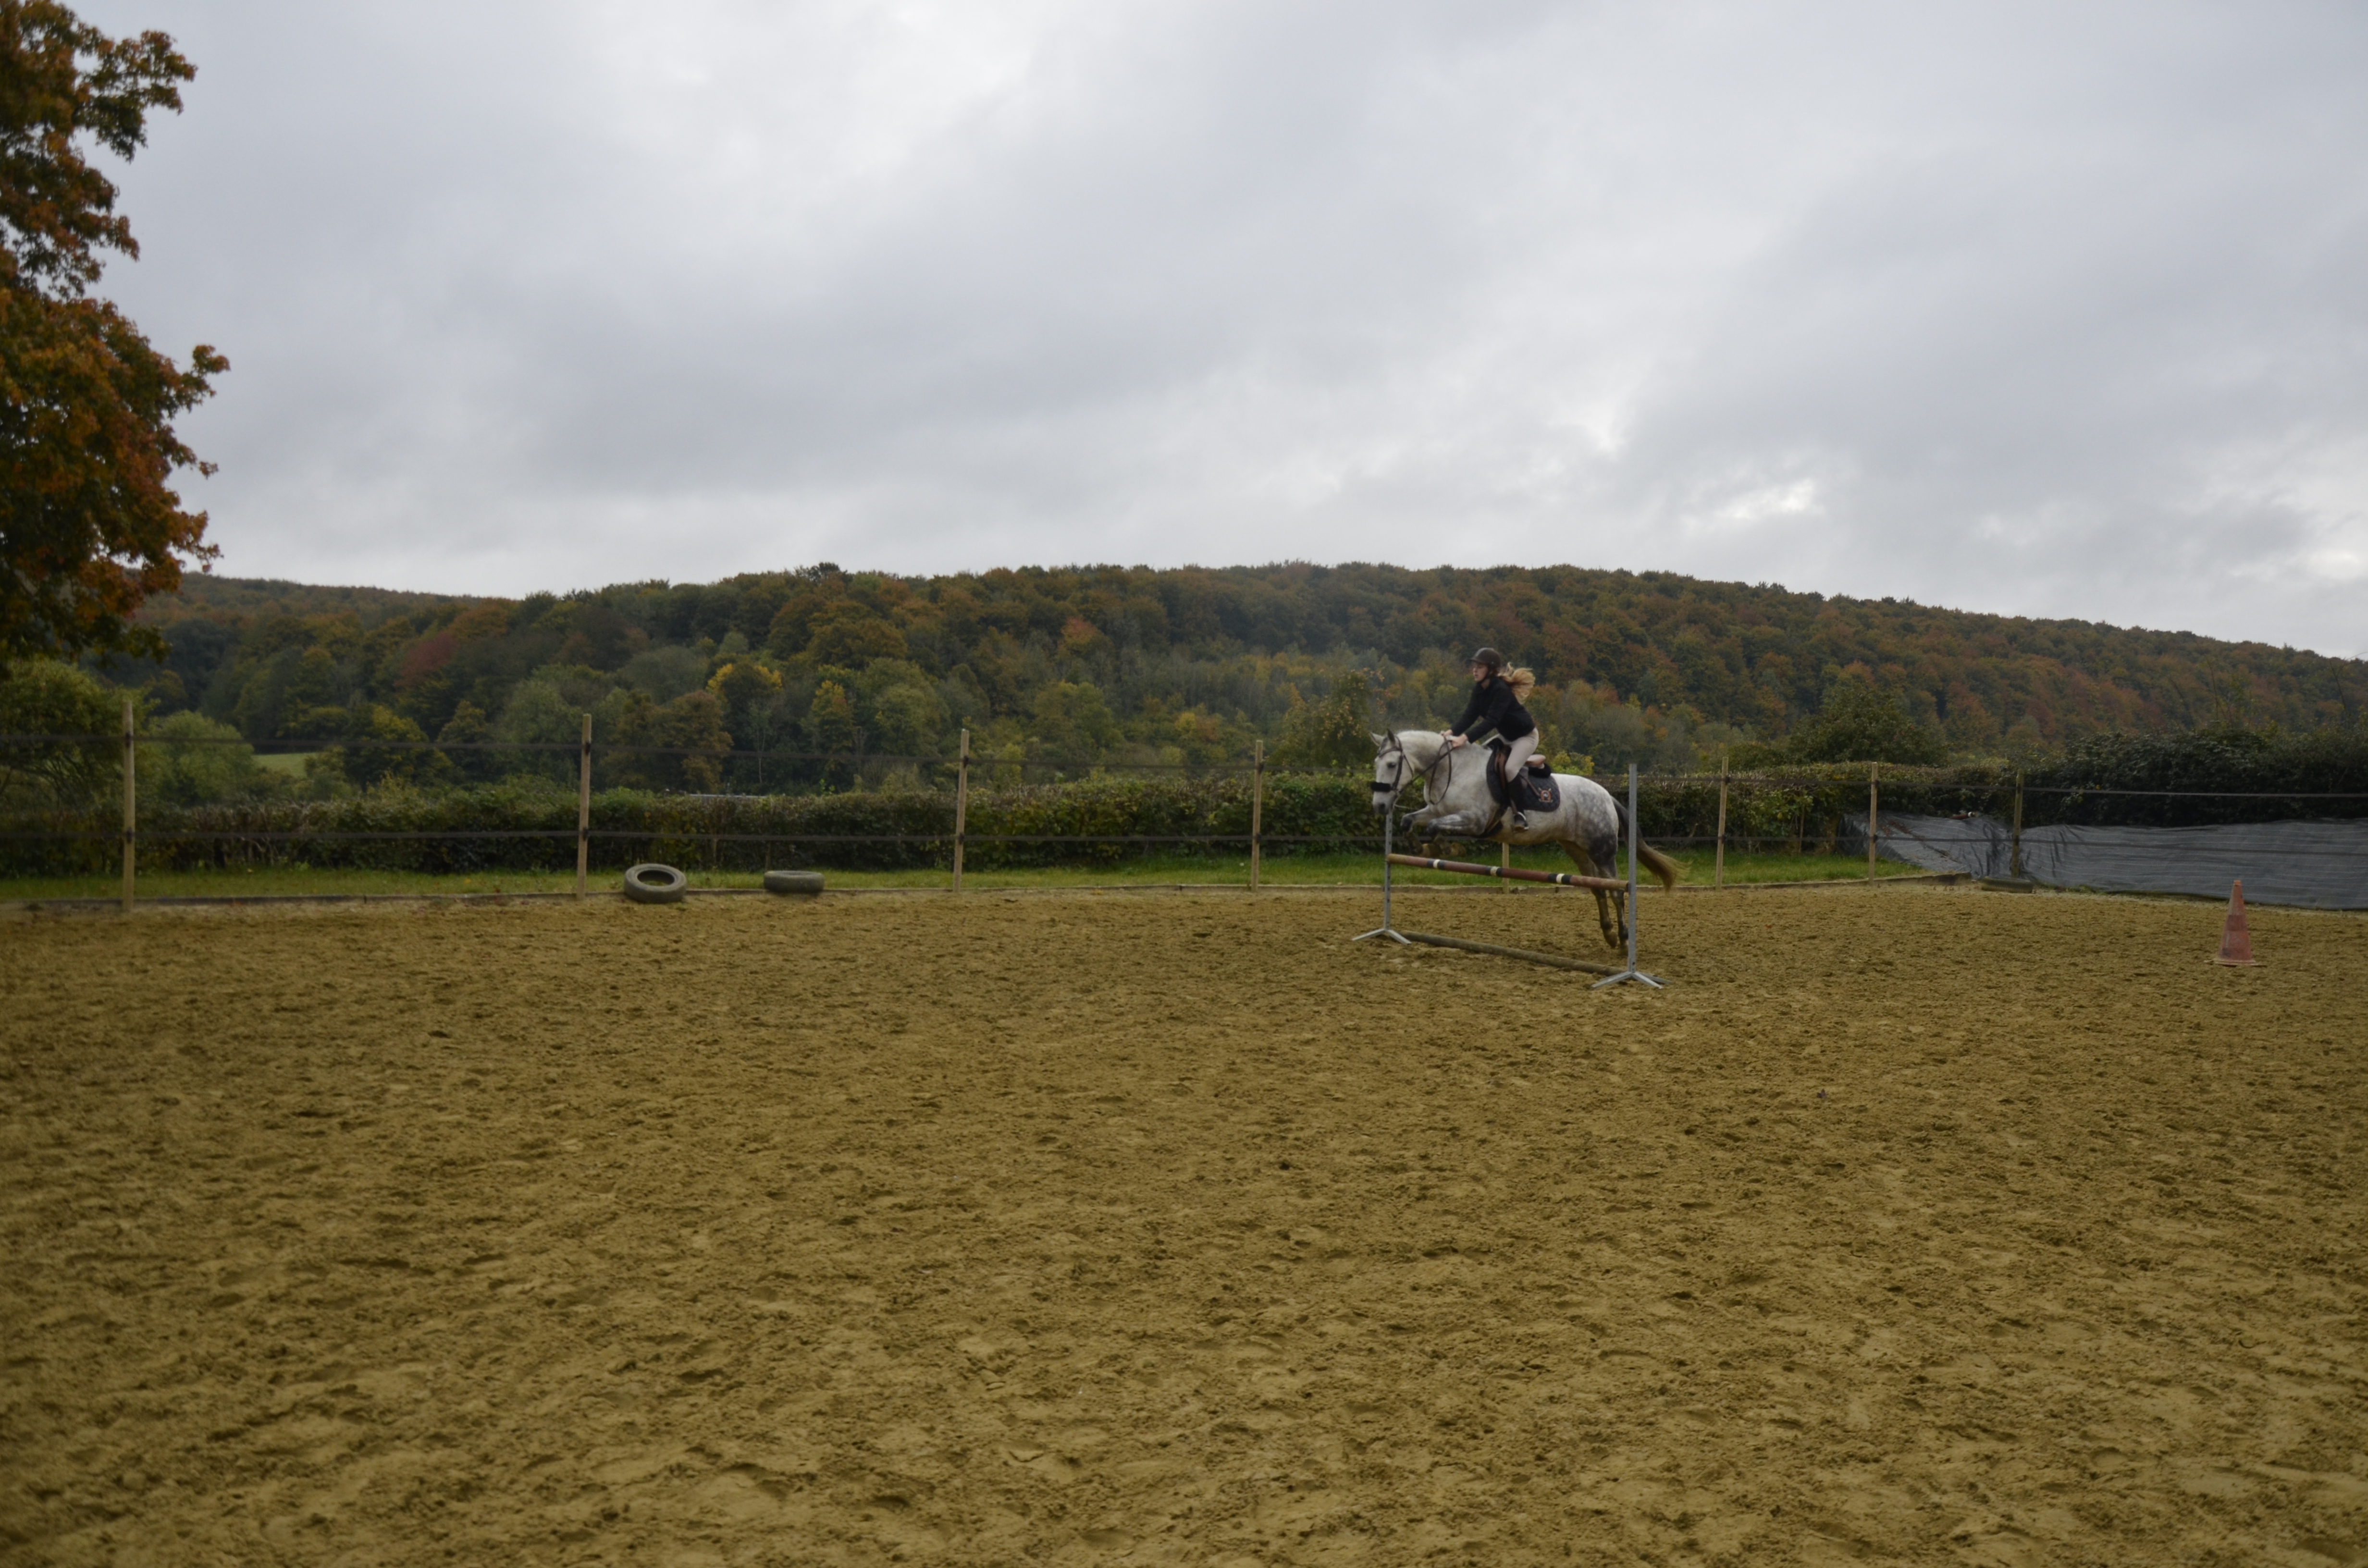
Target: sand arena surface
(1911,1225)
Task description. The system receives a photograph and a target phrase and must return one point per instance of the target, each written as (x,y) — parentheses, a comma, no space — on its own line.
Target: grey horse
(1587,824)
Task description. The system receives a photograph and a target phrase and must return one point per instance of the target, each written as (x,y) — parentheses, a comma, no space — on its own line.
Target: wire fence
(519,824)
(967,810)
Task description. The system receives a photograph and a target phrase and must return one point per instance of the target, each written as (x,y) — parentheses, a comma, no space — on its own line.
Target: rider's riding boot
(1513,813)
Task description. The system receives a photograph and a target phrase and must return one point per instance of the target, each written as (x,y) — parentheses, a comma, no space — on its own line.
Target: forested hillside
(1189,664)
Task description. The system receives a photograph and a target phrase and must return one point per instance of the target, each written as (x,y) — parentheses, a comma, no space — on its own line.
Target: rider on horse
(1496,705)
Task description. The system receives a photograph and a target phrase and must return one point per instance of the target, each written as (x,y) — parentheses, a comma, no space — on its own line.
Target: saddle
(1534,791)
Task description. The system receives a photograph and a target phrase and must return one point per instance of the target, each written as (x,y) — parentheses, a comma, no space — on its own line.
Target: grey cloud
(2020,308)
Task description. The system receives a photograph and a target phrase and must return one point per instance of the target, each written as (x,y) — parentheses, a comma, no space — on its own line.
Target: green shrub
(43,696)
(2231,774)
(527,821)
(188,759)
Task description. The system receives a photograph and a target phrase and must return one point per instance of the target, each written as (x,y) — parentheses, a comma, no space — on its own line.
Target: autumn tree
(1859,723)
(1335,732)
(89,525)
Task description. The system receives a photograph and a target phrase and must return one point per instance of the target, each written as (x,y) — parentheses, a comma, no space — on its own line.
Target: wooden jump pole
(961,805)
(1515,873)
(583,808)
(130,811)
(1551,961)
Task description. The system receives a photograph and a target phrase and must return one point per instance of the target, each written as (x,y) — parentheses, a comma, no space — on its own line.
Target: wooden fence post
(2014,860)
(1718,863)
(1871,769)
(961,805)
(583,808)
(1257,805)
(130,809)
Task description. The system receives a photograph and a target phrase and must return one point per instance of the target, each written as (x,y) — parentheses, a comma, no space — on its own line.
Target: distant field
(1298,870)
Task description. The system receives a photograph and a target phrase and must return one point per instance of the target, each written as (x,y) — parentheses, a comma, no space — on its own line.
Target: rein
(1395,787)
(1446,758)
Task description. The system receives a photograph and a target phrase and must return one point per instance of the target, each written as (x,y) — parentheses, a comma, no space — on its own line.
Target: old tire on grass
(653,883)
(793,882)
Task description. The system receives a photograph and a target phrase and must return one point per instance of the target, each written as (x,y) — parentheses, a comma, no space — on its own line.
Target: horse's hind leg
(1603,848)
(1611,938)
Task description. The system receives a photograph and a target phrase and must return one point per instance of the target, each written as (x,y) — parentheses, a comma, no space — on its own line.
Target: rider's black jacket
(1493,706)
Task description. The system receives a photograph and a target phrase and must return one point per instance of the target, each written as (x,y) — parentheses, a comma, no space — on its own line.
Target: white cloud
(2053,311)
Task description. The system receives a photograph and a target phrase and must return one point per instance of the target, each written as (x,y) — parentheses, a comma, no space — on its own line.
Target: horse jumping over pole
(1586,823)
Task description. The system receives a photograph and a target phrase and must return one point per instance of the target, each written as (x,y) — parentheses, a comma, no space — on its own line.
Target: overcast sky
(2045,309)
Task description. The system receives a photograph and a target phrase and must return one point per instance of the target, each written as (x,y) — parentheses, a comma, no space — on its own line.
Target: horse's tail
(1660,864)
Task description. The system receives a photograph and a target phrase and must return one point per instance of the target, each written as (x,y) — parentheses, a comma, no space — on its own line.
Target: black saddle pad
(1536,790)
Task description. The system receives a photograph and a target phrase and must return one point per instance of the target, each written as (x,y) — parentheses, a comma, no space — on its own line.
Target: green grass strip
(1297,870)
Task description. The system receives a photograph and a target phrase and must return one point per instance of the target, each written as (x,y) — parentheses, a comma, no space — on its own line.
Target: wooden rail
(1519,874)
(1551,961)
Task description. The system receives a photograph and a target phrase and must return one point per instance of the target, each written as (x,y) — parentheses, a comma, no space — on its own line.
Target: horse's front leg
(1459,827)
(1467,820)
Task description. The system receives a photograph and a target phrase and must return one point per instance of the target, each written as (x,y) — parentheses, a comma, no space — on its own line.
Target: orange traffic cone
(2235,941)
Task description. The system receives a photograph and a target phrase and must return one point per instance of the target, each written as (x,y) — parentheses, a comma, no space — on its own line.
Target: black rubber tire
(793,882)
(653,883)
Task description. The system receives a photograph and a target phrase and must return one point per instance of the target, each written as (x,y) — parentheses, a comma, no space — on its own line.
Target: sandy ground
(1909,1225)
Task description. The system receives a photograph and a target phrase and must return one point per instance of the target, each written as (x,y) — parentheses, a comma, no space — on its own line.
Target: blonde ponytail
(1523,683)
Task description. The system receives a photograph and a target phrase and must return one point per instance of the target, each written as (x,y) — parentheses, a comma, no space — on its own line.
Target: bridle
(1386,793)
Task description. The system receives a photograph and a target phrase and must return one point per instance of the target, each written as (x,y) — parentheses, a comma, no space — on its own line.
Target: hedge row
(883,831)
(912,829)
(2219,776)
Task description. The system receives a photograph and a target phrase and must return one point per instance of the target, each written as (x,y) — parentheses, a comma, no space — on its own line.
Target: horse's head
(1390,770)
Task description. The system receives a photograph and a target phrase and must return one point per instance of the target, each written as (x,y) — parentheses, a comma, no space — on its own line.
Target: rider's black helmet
(1490,660)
